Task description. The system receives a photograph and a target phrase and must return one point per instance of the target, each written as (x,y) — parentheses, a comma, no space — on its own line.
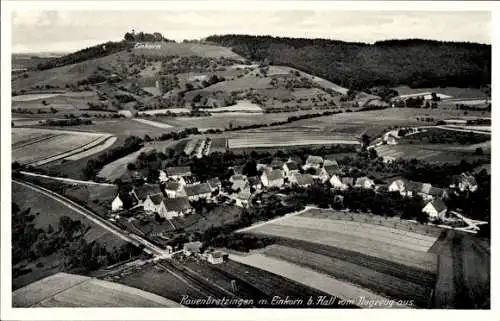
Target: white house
(243,197)
(272,178)
(162,177)
(117,204)
(289,168)
(215,257)
(435,209)
(397,186)
(155,204)
(364,182)
(337,183)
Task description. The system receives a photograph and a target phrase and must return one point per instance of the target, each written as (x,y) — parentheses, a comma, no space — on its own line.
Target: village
(174,198)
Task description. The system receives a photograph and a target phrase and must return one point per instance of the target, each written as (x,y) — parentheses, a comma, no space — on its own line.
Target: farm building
(464,182)
(435,209)
(192,248)
(215,257)
(331,162)
(197,191)
(155,204)
(390,140)
(214,183)
(272,178)
(302,180)
(178,206)
(313,161)
(337,183)
(327,171)
(191,180)
(239,185)
(290,168)
(364,182)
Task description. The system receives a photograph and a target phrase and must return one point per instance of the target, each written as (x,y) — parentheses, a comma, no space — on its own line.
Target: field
(152,123)
(311,278)
(71,290)
(464,272)
(118,167)
(123,127)
(240,106)
(219,145)
(385,284)
(268,139)
(62,102)
(53,145)
(187,50)
(434,153)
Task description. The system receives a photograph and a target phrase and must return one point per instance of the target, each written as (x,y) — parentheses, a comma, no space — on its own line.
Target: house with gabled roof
(464,182)
(302,180)
(174,189)
(254,182)
(155,204)
(435,209)
(290,168)
(272,178)
(178,206)
(243,197)
(277,163)
(327,171)
(123,200)
(331,162)
(364,182)
(337,183)
(198,191)
(313,161)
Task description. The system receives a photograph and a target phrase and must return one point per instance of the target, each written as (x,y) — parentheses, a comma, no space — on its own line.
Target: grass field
(71,290)
(433,153)
(380,283)
(410,240)
(187,50)
(118,167)
(53,145)
(270,139)
(391,252)
(123,127)
(240,106)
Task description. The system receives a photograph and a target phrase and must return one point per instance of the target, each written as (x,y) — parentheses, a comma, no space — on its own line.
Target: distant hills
(413,62)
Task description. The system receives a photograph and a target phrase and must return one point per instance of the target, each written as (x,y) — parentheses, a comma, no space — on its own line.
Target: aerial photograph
(300,159)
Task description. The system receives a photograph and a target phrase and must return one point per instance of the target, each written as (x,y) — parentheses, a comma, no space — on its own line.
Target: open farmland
(240,106)
(53,145)
(391,252)
(434,153)
(268,139)
(311,278)
(453,92)
(117,168)
(188,50)
(123,127)
(464,272)
(410,240)
(385,284)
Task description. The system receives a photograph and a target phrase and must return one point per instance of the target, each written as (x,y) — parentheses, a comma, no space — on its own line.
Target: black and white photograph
(245,158)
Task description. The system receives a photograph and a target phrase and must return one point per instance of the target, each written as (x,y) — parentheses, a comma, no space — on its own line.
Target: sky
(65,31)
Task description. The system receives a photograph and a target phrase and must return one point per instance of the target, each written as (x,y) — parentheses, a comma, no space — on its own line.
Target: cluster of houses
(179,186)
(194,249)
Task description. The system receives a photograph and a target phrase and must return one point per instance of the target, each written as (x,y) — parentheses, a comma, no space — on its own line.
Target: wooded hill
(413,62)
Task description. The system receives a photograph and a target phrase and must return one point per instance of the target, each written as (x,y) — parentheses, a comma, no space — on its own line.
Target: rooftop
(314,160)
(274,174)
(178,171)
(439,205)
(292,166)
(177,204)
(198,189)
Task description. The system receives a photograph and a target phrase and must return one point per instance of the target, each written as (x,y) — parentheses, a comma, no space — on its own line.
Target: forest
(413,62)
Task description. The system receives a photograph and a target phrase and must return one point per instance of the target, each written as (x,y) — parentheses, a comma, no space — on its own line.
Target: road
(125,235)
(69,180)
